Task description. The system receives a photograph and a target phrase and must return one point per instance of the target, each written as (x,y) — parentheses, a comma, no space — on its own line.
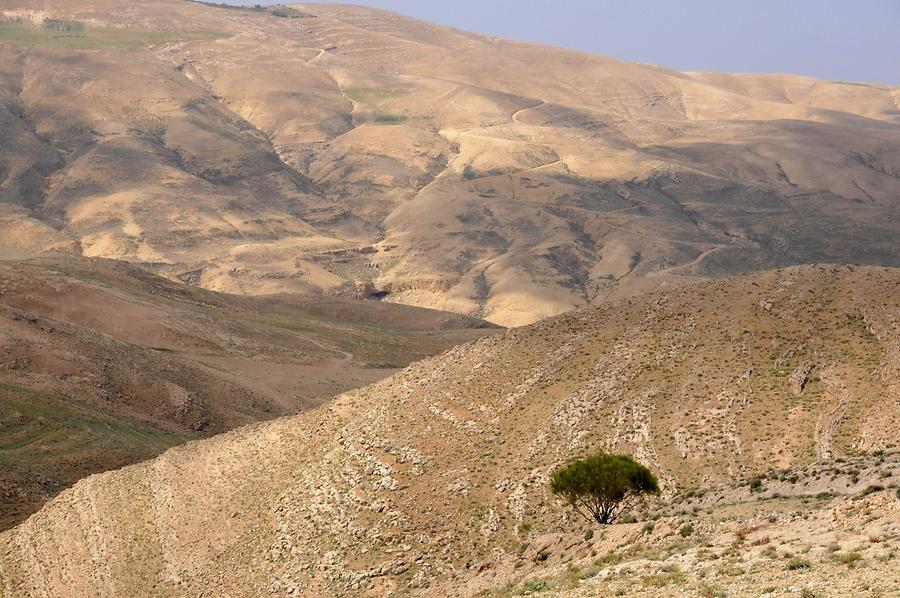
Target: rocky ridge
(434,480)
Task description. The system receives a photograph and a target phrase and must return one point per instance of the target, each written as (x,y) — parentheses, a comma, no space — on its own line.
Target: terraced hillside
(342,150)
(102,365)
(434,481)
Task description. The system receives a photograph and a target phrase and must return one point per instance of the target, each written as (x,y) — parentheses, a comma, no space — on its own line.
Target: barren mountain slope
(808,531)
(102,365)
(335,146)
(434,481)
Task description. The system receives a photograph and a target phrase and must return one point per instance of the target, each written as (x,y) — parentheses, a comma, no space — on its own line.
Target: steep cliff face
(336,146)
(433,480)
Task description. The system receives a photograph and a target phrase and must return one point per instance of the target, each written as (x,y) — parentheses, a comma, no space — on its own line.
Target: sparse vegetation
(390,119)
(756,484)
(849,558)
(278,10)
(872,489)
(603,486)
(537,586)
(796,563)
(255,165)
(71,35)
(610,558)
(372,96)
(288,12)
(62,25)
(56,440)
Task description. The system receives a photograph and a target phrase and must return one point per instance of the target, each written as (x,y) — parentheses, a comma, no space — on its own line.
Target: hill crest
(253,153)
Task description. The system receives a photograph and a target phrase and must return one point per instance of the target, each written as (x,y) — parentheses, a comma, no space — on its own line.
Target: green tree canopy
(603,485)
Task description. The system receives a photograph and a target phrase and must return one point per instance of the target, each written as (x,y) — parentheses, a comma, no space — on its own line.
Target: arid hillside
(332,149)
(434,482)
(103,365)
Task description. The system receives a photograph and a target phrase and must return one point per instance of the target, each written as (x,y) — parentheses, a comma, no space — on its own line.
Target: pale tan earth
(806,545)
(338,153)
(250,153)
(434,482)
(103,365)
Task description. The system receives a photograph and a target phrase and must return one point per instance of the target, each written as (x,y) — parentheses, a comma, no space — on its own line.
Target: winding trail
(346,355)
(317,57)
(515,115)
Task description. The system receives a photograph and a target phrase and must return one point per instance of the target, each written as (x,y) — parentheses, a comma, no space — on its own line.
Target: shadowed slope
(102,365)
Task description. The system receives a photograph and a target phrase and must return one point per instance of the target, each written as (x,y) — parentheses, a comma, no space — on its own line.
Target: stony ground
(434,481)
(827,544)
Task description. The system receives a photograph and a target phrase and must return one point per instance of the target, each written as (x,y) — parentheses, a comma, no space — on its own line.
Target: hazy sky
(847,40)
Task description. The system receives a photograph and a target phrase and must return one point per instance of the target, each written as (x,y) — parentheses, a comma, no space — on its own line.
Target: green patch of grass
(288,12)
(390,119)
(709,591)
(79,37)
(279,10)
(798,563)
(49,442)
(63,25)
(372,95)
(40,427)
(610,558)
(536,586)
(851,559)
(872,489)
(731,570)
(662,579)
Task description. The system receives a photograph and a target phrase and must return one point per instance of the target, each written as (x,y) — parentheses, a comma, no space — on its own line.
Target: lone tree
(603,485)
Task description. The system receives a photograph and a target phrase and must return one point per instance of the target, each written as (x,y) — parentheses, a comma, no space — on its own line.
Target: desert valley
(313,300)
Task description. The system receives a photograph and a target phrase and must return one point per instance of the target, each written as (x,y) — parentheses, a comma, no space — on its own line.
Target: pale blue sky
(848,40)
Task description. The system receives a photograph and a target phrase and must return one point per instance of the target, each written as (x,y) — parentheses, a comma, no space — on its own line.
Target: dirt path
(346,355)
(317,57)
(515,115)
